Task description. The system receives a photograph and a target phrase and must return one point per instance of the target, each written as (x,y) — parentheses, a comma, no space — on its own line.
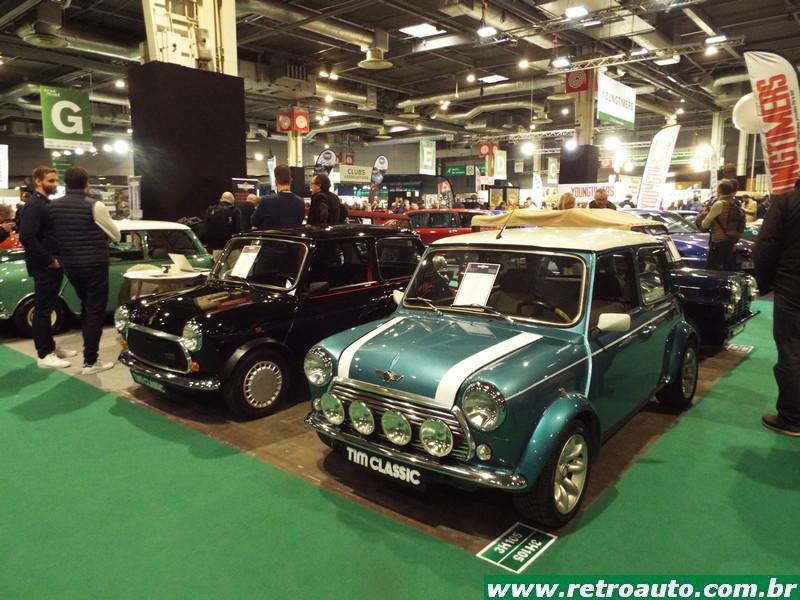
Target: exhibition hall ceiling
(394,86)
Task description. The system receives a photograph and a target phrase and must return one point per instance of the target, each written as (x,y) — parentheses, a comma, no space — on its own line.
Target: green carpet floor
(102,498)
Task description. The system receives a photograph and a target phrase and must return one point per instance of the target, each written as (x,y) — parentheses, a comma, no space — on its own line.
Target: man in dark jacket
(83,228)
(222,220)
(283,209)
(326,207)
(37,235)
(777,263)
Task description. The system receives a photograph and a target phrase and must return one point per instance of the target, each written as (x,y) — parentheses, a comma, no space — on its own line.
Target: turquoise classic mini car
(143,242)
(511,356)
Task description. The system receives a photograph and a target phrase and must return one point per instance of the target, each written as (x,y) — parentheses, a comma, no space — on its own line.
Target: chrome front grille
(379,400)
(157,348)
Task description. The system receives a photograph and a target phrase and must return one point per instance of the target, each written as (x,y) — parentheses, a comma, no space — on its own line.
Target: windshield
(261,261)
(545,287)
(675,223)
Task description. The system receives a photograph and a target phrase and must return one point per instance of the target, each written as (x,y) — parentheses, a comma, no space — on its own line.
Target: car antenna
(503,228)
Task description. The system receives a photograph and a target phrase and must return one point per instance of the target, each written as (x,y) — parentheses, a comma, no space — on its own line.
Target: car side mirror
(397,296)
(614,322)
(318,287)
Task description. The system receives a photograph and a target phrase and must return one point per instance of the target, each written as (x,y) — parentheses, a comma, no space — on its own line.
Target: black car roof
(332,232)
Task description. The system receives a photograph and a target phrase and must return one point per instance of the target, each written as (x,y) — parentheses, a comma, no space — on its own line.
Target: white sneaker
(64,353)
(51,361)
(97,367)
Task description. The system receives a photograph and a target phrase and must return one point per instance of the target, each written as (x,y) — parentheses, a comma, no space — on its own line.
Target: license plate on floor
(386,468)
(149,382)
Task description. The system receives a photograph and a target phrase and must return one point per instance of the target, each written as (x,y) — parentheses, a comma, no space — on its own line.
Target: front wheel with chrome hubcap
(558,493)
(258,384)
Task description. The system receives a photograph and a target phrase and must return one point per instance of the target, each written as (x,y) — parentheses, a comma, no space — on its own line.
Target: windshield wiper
(427,303)
(243,280)
(488,309)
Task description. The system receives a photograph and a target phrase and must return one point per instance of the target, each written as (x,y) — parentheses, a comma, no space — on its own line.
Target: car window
(466,219)
(653,276)
(161,242)
(128,248)
(419,220)
(613,288)
(342,263)
(442,220)
(268,262)
(397,257)
(526,285)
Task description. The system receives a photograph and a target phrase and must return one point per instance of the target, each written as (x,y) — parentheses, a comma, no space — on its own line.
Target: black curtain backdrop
(188,137)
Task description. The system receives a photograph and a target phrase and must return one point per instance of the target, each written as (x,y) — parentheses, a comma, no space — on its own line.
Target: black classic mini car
(271,296)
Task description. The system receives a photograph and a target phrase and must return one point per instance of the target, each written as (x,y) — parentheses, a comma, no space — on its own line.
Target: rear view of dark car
(271,296)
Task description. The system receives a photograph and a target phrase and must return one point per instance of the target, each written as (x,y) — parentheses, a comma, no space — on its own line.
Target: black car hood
(219,307)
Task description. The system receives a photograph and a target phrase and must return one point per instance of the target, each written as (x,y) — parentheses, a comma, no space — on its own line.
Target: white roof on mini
(136,225)
(553,238)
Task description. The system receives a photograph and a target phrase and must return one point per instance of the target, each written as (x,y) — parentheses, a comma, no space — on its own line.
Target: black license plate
(387,468)
(149,382)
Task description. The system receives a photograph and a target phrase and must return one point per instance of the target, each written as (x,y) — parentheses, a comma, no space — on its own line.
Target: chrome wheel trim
(29,319)
(571,472)
(688,372)
(262,384)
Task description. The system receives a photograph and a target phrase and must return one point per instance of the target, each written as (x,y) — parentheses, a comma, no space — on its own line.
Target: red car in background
(435,223)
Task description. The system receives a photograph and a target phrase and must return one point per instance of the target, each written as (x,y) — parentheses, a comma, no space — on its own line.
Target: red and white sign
(284,123)
(348,159)
(577,81)
(487,148)
(777,94)
(300,121)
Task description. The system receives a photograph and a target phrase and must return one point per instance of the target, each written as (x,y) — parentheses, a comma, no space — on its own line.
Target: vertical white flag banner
(657,166)
(3,167)
(777,95)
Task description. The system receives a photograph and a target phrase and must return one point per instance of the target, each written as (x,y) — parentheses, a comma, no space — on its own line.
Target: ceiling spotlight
(560,62)
(571,144)
(716,39)
(333,76)
(258,156)
(119,83)
(470,77)
(576,12)
(329,98)
(523,63)
(711,51)
(324,72)
(639,52)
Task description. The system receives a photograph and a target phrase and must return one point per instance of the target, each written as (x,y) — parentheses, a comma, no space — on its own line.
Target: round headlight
(484,406)
(332,408)
(192,336)
(318,367)
(121,319)
(361,417)
(436,437)
(396,427)
(736,291)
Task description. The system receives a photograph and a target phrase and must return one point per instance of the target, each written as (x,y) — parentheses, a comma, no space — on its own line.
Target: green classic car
(510,358)
(143,242)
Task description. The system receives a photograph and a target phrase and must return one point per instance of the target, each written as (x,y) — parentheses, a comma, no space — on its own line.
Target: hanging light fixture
(485,30)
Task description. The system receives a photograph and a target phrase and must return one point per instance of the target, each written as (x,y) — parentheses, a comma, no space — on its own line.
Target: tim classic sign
(66,118)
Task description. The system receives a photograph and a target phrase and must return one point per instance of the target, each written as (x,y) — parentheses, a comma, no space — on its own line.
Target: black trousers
(786,331)
(46,286)
(720,256)
(91,285)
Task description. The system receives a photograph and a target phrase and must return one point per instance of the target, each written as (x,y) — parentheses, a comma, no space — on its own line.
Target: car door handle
(648,331)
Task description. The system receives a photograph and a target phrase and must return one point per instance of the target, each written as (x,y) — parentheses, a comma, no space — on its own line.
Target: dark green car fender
(563,410)
(682,334)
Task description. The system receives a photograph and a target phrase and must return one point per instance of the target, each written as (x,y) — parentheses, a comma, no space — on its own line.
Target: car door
(626,366)
(343,290)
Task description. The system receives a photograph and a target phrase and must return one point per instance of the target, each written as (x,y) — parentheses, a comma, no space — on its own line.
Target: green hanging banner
(66,118)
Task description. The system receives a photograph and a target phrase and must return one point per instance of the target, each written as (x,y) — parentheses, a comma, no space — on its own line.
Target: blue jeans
(91,285)
(786,331)
(46,286)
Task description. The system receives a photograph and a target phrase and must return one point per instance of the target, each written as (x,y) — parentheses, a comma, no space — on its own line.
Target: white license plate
(149,382)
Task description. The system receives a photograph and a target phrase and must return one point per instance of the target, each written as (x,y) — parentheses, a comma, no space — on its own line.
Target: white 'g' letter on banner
(657,166)
(775,87)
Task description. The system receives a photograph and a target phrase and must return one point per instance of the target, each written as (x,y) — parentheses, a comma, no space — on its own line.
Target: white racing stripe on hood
(347,356)
(455,376)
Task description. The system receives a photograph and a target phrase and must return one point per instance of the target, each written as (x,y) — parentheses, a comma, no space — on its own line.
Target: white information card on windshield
(477,284)
(245,261)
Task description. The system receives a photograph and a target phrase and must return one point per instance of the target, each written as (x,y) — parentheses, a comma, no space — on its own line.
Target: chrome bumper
(475,475)
(209,384)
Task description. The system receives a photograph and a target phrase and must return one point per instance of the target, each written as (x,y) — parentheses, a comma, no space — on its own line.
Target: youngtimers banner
(777,94)
(657,166)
